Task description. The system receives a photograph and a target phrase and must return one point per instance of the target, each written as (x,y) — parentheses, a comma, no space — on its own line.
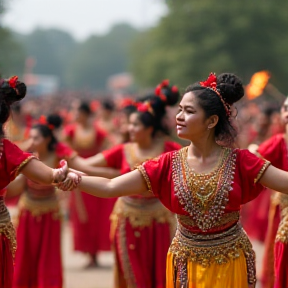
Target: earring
(209,127)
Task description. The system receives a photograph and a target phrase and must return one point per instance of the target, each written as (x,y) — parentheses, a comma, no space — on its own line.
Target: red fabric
(248,166)
(6,263)
(93,235)
(281,266)
(38,256)
(63,151)
(11,158)
(275,150)
(147,257)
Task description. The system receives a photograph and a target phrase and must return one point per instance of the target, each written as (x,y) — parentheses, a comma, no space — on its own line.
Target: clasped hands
(65,178)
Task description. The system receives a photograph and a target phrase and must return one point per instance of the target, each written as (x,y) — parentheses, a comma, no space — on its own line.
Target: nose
(179,116)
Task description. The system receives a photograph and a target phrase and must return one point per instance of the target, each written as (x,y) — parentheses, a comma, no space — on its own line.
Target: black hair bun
(55,120)
(230,87)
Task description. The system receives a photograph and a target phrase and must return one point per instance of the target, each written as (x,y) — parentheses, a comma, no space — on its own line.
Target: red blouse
(119,157)
(166,178)
(275,151)
(11,162)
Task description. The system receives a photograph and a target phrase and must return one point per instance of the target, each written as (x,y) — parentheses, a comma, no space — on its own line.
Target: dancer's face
(39,143)
(137,131)
(191,120)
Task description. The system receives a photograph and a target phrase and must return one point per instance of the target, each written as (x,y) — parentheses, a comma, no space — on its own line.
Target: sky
(81,18)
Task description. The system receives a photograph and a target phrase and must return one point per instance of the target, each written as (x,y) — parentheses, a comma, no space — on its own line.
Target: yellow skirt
(229,275)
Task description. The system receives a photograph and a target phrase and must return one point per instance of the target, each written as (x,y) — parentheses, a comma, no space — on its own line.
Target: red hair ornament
(211,83)
(43,121)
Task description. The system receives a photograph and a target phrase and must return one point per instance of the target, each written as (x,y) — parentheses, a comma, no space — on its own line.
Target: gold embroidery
(18,169)
(141,212)
(207,213)
(212,248)
(261,172)
(282,233)
(145,176)
(227,218)
(38,207)
(9,231)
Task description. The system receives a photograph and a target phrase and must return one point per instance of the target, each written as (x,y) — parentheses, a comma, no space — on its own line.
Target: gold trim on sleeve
(145,176)
(263,169)
(18,169)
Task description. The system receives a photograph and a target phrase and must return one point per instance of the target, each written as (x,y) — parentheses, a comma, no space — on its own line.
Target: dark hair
(231,89)
(8,96)
(85,107)
(158,105)
(55,120)
(108,105)
(46,131)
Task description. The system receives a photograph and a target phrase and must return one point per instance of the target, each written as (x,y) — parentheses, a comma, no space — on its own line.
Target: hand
(60,174)
(70,183)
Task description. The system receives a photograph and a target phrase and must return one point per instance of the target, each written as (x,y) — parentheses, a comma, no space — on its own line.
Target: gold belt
(141,212)
(206,249)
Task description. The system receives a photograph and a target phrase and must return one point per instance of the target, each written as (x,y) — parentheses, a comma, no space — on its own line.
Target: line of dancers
(173,213)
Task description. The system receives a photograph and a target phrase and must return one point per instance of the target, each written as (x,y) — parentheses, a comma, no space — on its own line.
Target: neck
(203,148)
(43,154)
(145,144)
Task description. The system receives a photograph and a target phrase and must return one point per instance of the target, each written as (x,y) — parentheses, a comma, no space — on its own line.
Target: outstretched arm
(97,160)
(83,165)
(128,184)
(37,171)
(275,179)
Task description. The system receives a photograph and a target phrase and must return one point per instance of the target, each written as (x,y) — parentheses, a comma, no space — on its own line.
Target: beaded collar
(205,209)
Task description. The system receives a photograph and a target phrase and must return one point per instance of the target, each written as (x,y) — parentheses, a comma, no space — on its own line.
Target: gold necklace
(203,186)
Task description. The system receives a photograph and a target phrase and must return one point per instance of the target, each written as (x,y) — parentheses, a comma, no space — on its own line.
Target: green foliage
(198,37)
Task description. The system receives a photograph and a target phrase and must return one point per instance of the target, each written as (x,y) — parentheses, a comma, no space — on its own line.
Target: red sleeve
(63,151)
(15,159)
(273,150)
(114,156)
(251,168)
(171,146)
(69,131)
(158,175)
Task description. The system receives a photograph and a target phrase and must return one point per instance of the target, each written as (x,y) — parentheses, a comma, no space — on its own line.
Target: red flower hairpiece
(43,121)
(145,107)
(12,81)
(159,87)
(211,83)
(127,102)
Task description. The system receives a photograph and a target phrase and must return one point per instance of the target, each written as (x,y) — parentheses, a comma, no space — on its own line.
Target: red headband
(43,121)
(211,83)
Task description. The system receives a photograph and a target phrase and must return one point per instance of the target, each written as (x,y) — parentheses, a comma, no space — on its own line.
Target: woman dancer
(89,215)
(12,162)
(204,184)
(276,242)
(142,228)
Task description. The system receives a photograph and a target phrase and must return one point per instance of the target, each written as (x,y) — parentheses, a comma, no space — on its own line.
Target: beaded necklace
(204,196)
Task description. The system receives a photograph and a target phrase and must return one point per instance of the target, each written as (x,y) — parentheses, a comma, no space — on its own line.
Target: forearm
(101,172)
(129,184)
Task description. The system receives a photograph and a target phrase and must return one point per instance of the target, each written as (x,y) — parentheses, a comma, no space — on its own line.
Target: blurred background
(93,49)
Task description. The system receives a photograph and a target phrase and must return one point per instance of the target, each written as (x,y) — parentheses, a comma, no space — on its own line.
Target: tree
(197,37)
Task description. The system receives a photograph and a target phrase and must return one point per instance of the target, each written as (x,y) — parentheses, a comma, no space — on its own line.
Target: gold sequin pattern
(206,249)
(9,231)
(282,233)
(145,176)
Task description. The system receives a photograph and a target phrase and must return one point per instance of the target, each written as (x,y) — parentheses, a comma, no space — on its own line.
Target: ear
(212,121)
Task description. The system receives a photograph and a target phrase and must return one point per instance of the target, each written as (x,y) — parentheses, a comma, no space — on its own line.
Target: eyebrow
(186,106)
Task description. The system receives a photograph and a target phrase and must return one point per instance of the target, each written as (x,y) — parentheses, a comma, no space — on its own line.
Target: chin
(182,135)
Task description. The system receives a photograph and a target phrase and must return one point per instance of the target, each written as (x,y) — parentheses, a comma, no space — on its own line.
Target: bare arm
(16,187)
(128,184)
(275,179)
(96,160)
(81,164)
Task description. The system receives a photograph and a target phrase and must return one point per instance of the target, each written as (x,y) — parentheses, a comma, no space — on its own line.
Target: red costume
(38,261)
(275,150)
(91,235)
(142,228)
(210,249)
(12,159)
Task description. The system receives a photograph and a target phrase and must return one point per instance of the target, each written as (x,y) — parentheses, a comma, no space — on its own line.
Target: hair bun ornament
(12,81)
(43,121)
(145,107)
(211,81)
(159,87)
